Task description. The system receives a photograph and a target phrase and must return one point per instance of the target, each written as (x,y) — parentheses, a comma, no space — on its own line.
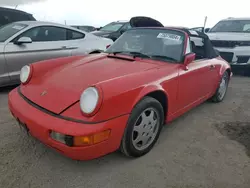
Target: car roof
(120,21)
(13,10)
(189,32)
(41,23)
(239,18)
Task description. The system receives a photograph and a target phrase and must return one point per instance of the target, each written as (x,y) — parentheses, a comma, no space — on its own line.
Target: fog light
(91,139)
(65,139)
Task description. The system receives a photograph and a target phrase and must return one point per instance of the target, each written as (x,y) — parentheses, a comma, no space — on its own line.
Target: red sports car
(89,106)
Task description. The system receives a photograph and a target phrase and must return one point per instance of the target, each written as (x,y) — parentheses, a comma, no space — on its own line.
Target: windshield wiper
(135,54)
(139,54)
(164,57)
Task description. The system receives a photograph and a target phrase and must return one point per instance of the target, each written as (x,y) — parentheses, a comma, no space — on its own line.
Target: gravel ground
(207,147)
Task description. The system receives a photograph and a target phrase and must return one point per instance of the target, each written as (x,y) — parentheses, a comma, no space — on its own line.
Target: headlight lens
(89,100)
(25,74)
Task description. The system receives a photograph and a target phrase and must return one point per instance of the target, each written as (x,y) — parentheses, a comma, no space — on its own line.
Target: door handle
(64,47)
(211,67)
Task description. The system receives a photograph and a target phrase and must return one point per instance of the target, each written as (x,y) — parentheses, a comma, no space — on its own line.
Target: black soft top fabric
(143,21)
(209,49)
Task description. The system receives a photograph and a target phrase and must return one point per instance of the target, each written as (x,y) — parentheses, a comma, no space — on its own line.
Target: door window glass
(46,33)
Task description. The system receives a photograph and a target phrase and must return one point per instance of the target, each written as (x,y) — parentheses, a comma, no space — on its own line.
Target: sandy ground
(207,147)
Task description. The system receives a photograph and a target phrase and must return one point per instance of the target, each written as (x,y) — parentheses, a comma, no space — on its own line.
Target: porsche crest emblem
(43,93)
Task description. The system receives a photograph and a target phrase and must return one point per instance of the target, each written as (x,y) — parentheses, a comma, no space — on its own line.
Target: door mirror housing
(98,28)
(206,30)
(23,40)
(189,58)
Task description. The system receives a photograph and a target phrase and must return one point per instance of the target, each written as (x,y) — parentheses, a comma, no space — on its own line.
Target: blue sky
(96,12)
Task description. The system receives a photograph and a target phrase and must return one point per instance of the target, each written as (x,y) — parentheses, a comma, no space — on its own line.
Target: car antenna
(205,21)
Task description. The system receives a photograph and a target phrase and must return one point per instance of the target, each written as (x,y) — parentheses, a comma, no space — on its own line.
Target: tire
(218,96)
(141,115)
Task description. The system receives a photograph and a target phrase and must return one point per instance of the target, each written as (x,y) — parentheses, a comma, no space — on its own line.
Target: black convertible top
(209,49)
(142,21)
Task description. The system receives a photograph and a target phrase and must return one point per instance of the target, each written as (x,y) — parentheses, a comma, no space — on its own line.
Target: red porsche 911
(88,106)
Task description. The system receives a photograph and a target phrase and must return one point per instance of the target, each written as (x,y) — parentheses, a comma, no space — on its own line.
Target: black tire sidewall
(145,103)
(216,96)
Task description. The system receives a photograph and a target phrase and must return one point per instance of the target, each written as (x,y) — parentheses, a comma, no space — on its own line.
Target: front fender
(146,91)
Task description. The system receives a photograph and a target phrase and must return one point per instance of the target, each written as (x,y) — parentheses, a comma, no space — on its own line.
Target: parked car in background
(87,107)
(200,29)
(85,28)
(8,15)
(22,43)
(113,30)
(231,37)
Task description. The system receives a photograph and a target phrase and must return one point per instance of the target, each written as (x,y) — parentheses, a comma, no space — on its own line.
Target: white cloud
(176,12)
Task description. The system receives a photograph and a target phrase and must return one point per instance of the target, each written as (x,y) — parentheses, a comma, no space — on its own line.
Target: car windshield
(240,26)
(114,26)
(9,30)
(159,44)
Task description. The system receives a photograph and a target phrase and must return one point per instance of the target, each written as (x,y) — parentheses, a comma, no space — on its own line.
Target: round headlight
(25,73)
(89,100)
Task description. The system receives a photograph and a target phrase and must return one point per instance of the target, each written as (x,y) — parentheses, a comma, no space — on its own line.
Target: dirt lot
(207,147)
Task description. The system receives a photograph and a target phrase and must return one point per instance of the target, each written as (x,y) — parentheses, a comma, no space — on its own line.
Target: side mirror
(206,30)
(189,58)
(23,40)
(98,28)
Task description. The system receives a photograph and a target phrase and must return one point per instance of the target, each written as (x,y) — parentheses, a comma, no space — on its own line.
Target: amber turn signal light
(91,139)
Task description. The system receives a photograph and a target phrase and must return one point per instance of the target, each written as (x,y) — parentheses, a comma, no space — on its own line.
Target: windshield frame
(23,25)
(113,23)
(223,21)
(180,32)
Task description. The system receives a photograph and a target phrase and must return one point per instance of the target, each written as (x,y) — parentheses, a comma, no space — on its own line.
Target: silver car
(26,42)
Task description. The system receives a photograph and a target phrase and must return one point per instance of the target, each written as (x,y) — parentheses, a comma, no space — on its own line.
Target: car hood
(231,36)
(60,88)
(100,33)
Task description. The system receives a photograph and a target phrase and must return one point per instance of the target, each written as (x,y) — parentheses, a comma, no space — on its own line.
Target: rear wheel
(143,128)
(222,89)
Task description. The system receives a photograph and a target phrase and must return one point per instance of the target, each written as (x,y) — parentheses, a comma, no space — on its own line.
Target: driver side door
(47,42)
(196,82)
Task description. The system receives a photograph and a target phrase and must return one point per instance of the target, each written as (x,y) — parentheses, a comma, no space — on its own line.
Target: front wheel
(143,128)
(222,89)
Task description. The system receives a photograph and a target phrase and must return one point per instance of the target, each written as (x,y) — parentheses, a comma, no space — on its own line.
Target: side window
(188,49)
(198,47)
(46,34)
(126,27)
(246,27)
(74,35)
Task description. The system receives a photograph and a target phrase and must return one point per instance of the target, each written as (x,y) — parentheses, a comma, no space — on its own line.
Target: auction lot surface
(207,147)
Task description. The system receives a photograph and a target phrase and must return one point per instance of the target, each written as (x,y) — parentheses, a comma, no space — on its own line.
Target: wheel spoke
(138,138)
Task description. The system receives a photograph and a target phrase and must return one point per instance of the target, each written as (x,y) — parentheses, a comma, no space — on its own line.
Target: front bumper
(40,124)
(235,56)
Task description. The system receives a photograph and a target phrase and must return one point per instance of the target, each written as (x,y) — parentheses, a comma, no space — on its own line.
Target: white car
(26,42)
(231,37)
